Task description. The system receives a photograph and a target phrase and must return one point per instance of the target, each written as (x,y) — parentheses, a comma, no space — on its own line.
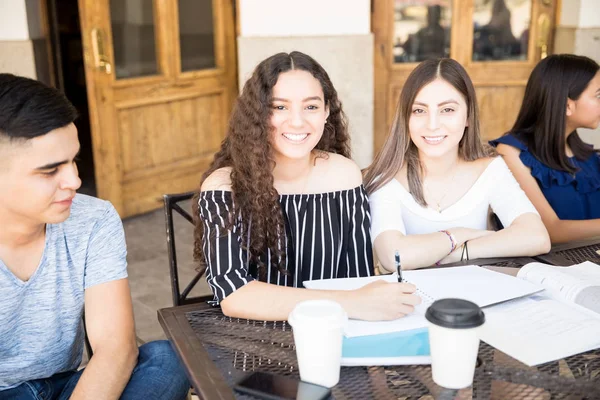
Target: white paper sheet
(473,283)
(540,329)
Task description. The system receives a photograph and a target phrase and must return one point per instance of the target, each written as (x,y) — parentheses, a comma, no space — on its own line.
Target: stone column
(23,46)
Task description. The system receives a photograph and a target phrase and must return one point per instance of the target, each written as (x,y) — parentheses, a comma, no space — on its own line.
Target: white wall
(589,15)
(304,17)
(580,13)
(13,20)
(16,47)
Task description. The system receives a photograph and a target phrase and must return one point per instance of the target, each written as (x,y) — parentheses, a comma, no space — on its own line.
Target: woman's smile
(434,140)
(296,138)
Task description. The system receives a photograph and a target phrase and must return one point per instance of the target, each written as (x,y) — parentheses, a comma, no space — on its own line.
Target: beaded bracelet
(452,240)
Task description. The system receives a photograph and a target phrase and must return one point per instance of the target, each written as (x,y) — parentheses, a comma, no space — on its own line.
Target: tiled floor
(149,268)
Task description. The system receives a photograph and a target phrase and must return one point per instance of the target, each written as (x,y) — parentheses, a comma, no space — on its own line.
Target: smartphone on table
(277,387)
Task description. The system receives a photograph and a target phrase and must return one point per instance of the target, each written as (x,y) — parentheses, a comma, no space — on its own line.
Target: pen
(398,266)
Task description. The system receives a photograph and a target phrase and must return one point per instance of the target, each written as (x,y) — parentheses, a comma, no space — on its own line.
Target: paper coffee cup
(454,326)
(318,327)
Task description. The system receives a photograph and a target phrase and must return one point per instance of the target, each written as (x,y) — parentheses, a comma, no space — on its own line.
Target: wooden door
(497,41)
(161,79)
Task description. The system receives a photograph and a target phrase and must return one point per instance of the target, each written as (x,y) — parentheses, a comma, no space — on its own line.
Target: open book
(579,284)
(473,283)
(561,321)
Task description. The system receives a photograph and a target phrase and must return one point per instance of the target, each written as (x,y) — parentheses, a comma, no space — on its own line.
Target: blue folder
(396,348)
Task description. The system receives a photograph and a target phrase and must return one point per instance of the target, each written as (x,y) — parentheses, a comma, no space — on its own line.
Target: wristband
(452,240)
(464,250)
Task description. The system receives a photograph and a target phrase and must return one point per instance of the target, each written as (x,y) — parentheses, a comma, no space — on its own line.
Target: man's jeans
(157,375)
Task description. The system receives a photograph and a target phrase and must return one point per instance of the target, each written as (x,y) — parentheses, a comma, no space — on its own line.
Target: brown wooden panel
(498,109)
(193,126)
(152,90)
(155,134)
(144,194)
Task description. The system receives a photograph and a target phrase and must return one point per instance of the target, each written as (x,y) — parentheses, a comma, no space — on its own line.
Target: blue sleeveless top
(572,196)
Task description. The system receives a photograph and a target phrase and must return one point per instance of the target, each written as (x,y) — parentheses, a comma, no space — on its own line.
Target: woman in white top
(433,183)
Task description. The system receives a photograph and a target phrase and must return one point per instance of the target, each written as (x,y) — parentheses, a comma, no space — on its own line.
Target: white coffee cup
(454,326)
(318,327)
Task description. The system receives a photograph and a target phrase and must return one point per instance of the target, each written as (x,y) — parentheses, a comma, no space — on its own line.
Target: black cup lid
(455,313)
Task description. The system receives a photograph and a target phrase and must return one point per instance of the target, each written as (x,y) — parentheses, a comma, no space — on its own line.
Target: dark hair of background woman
(541,121)
(248,150)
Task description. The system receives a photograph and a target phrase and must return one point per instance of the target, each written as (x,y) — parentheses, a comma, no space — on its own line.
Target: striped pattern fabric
(327,236)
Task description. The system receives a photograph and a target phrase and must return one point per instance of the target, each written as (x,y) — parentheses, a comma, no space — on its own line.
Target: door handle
(543,24)
(101,61)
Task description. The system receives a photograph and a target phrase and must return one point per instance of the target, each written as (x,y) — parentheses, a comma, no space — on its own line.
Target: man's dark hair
(29,108)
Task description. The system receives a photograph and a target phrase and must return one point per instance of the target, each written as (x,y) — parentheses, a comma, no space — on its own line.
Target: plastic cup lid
(318,312)
(455,313)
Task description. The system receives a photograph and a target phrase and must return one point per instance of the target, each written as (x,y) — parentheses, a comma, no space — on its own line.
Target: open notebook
(479,285)
(562,321)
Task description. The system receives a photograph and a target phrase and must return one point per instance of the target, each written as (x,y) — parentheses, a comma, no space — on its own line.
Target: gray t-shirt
(41,330)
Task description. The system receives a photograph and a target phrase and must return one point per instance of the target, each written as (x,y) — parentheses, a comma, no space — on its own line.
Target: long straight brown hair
(399,148)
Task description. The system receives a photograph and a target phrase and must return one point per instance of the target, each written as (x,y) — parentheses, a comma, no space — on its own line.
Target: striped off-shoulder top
(327,236)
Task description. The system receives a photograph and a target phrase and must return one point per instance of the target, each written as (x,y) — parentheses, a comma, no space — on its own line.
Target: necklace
(438,202)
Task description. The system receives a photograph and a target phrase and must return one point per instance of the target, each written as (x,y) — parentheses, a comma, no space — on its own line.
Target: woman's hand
(382,301)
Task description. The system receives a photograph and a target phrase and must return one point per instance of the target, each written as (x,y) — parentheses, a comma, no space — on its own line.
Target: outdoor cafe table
(573,253)
(217,351)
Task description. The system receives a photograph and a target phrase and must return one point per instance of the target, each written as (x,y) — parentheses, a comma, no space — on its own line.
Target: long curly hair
(248,150)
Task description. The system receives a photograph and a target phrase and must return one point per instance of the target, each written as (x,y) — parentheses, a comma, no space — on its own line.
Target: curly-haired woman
(281,202)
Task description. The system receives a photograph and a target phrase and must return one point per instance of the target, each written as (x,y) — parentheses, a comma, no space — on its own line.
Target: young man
(62,253)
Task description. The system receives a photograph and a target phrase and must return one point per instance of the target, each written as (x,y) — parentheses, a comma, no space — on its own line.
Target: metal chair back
(172,204)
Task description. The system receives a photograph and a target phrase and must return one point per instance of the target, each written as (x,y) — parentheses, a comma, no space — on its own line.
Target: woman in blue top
(558,171)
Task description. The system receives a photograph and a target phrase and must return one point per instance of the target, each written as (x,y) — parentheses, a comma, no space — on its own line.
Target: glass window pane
(421,29)
(133,38)
(196,34)
(501,29)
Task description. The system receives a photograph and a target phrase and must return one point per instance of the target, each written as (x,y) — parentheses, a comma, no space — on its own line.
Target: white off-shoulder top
(393,207)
